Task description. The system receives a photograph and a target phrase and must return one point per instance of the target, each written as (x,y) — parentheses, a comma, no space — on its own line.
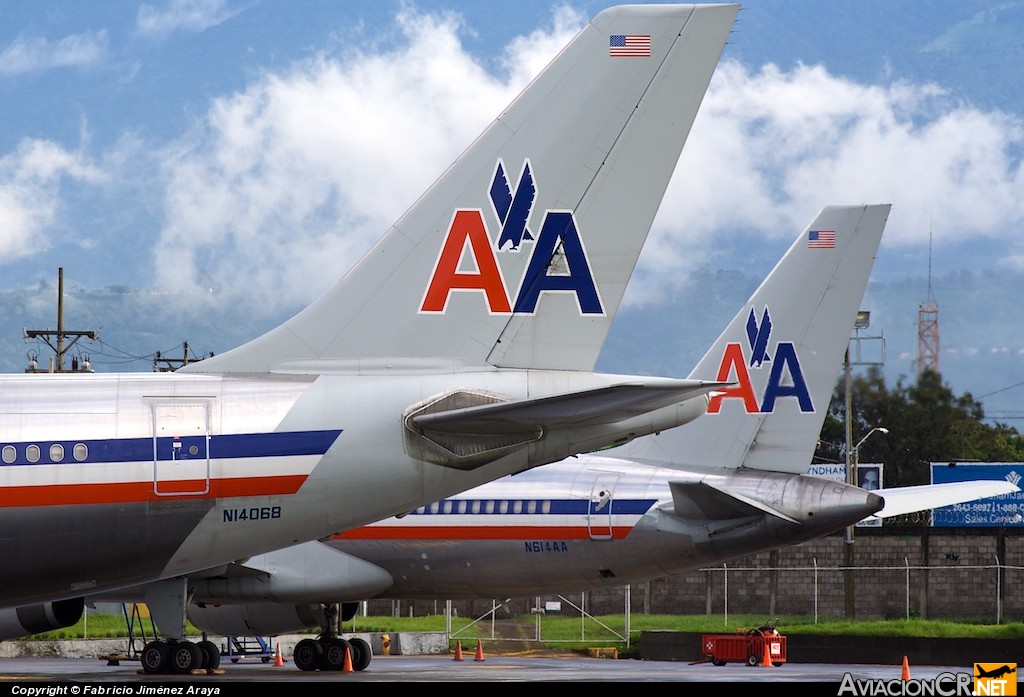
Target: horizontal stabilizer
(910,499)
(702,500)
(593,407)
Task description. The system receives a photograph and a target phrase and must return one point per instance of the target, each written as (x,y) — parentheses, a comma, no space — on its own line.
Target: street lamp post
(856,448)
(849,582)
(854,464)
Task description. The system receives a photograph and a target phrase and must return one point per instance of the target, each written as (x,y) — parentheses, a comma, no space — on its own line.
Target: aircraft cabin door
(599,518)
(181,448)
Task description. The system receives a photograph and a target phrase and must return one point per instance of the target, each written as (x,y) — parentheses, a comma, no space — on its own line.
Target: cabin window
(56,452)
(32,453)
(10,454)
(81,452)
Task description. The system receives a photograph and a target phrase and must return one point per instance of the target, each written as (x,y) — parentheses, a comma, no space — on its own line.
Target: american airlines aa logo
(785,378)
(468,258)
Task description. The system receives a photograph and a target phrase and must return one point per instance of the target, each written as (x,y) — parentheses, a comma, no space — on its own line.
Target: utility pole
(58,337)
(162,364)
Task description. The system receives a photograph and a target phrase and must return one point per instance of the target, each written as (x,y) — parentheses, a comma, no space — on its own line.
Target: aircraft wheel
(185,656)
(211,654)
(308,655)
(156,658)
(334,653)
(361,653)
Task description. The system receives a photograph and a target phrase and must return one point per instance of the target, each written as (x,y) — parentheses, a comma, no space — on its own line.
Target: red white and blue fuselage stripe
(233,465)
(508,519)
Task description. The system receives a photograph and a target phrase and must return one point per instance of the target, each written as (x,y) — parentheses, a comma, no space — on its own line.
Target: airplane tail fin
(783,352)
(518,255)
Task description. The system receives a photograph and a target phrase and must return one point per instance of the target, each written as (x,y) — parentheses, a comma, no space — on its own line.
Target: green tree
(926,421)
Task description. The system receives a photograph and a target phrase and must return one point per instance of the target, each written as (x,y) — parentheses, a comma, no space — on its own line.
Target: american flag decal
(629,45)
(821,239)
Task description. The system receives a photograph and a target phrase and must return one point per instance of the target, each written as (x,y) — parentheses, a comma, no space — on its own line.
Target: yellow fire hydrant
(385,644)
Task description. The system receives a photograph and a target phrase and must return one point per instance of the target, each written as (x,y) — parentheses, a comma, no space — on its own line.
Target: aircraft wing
(909,499)
(601,405)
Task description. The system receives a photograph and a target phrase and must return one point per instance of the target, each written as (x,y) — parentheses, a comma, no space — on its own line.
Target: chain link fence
(962,594)
(960,587)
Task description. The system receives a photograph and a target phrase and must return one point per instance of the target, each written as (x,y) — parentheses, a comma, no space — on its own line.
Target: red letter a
(467,227)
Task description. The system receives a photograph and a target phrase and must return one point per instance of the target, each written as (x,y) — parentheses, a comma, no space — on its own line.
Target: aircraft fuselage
(110,481)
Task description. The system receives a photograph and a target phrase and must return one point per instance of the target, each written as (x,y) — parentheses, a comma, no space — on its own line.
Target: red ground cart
(745,646)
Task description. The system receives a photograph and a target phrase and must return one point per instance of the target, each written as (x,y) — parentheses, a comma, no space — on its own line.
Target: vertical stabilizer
(518,255)
(783,350)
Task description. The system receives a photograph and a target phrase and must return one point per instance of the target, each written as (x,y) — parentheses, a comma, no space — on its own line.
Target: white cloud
(33,54)
(770,148)
(285,185)
(527,55)
(30,179)
(183,15)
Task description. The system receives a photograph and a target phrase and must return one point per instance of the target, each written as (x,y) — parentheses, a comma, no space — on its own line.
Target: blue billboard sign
(1006,510)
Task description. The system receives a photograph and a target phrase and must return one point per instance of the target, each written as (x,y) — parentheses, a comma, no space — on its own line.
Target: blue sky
(221,163)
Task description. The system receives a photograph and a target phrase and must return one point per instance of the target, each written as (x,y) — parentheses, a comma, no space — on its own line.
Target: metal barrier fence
(985,594)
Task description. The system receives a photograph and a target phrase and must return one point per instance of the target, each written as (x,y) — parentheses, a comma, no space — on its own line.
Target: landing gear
(308,655)
(361,654)
(156,658)
(328,653)
(335,651)
(211,654)
(167,601)
(164,657)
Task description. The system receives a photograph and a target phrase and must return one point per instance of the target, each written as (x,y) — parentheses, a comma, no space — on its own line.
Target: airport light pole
(861,322)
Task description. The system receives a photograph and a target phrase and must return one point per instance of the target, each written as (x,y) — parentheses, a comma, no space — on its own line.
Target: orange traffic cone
(278,659)
(458,650)
(479,651)
(766,660)
(906,670)
(346,667)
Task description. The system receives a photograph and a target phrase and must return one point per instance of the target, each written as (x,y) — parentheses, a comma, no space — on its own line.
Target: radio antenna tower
(928,325)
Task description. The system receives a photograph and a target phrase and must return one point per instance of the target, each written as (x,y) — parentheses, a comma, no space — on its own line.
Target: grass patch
(569,631)
(100,625)
(556,628)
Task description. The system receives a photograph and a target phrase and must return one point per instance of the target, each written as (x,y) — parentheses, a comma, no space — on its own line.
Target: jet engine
(32,619)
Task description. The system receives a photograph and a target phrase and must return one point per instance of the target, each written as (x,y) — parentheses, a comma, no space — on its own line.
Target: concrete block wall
(887,573)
